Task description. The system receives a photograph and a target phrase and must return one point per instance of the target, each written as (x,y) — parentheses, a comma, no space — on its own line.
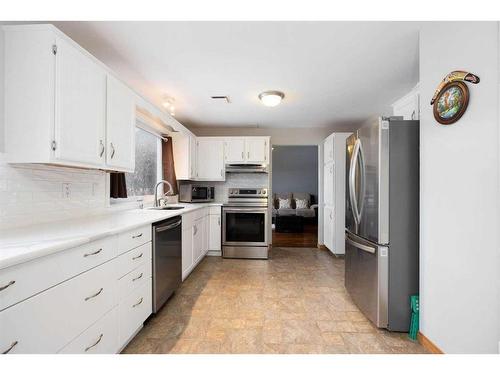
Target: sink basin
(167,208)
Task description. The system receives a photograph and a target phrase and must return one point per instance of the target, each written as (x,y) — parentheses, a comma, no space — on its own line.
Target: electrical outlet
(66,190)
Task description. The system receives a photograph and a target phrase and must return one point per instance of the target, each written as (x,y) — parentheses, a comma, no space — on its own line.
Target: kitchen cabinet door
(197,240)
(257,150)
(120,126)
(328,184)
(210,159)
(235,150)
(187,251)
(215,233)
(80,107)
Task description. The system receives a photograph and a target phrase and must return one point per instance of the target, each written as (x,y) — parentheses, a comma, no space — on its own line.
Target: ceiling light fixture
(168,104)
(271,98)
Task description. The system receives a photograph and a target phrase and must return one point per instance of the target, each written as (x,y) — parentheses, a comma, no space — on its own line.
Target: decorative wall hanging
(451,98)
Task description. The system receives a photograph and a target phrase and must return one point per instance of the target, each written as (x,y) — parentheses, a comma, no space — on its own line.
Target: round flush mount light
(271,98)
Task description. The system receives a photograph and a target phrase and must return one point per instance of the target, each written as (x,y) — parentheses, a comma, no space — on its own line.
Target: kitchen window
(148,165)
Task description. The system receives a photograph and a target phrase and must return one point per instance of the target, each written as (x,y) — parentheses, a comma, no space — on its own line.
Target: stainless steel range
(245,224)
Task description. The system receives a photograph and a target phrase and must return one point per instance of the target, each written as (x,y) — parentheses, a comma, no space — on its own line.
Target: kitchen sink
(167,208)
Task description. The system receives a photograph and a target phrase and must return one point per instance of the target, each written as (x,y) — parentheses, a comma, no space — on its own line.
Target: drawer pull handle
(7,285)
(137,257)
(138,303)
(10,347)
(95,343)
(90,254)
(94,295)
(137,235)
(137,278)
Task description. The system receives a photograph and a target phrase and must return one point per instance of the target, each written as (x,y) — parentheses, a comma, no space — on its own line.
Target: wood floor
(295,302)
(309,238)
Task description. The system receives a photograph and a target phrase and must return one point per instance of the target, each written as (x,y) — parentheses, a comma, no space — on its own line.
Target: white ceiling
(333,74)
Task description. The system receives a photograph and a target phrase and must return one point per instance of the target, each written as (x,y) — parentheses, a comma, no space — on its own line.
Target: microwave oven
(190,193)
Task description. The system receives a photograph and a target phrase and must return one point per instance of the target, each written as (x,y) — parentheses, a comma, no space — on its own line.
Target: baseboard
(214,253)
(322,247)
(428,344)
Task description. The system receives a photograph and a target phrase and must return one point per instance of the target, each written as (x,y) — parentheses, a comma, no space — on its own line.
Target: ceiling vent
(221,98)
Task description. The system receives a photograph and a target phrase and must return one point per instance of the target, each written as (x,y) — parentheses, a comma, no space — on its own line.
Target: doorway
(295,196)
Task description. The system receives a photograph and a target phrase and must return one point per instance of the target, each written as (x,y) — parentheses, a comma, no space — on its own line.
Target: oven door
(244,226)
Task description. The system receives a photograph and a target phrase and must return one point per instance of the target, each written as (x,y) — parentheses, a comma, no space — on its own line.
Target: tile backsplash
(32,194)
(241,180)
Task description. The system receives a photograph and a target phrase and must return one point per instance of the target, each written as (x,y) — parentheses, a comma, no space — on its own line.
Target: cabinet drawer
(134,279)
(133,238)
(100,338)
(215,210)
(134,310)
(133,258)
(27,279)
(50,320)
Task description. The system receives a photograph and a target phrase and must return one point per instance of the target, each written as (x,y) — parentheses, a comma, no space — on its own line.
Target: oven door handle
(245,209)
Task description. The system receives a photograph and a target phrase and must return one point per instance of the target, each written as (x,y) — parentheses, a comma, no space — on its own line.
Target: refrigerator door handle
(362,188)
(352,182)
(360,246)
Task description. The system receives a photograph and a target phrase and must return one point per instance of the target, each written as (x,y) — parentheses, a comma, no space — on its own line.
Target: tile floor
(293,303)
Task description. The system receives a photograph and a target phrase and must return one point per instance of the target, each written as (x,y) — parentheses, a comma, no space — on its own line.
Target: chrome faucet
(170,191)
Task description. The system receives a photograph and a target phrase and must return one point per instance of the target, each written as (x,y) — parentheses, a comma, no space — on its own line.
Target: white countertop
(22,244)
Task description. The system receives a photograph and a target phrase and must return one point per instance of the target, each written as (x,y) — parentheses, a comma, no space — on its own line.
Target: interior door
(210,156)
(80,107)
(235,150)
(256,150)
(120,126)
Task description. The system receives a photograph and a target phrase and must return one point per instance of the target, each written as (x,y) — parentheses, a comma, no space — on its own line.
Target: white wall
(459,248)
(285,136)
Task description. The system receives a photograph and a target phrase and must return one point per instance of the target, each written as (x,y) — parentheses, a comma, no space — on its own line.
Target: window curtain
(118,186)
(167,156)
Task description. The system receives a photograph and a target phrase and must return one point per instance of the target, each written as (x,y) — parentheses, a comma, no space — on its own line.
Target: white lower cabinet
(134,310)
(94,310)
(214,235)
(100,338)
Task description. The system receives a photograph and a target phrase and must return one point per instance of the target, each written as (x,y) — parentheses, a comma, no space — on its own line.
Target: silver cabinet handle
(12,282)
(221,173)
(94,295)
(95,343)
(138,303)
(101,143)
(242,155)
(137,235)
(90,254)
(137,278)
(10,347)
(248,155)
(137,257)
(195,228)
(112,150)
(218,220)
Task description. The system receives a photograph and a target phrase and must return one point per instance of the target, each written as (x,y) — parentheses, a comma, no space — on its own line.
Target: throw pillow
(301,203)
(284,203)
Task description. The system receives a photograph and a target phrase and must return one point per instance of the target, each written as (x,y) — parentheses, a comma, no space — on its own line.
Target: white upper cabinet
(120,126)
(409,105)
(257,150)
(80,107)
(235,150)
(184,150)
(58,109)
(210,159)
(251,150)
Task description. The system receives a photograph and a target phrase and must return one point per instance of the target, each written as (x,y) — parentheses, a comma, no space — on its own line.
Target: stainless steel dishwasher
(167,260)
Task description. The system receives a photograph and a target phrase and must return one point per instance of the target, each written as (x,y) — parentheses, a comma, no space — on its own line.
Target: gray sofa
(309,212)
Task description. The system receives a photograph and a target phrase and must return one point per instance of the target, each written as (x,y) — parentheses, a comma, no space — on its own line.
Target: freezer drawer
(366,277)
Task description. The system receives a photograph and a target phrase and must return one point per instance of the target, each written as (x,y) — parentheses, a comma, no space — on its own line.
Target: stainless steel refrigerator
(382,217)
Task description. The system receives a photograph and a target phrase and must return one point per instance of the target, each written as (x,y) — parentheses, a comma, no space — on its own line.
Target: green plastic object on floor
(414,304)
